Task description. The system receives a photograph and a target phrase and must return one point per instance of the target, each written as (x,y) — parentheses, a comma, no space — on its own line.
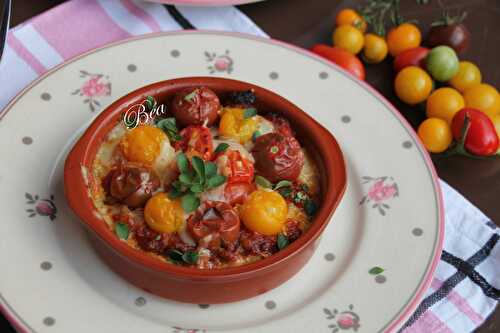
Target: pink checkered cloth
(464,290)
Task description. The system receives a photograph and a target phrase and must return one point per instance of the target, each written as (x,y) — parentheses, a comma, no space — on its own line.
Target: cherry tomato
(342,58)
(348,38)
(468,75)
(214,224)
(411,57)
(404,37)
(455,35)
(496,122)
(413,85)
(236,193)
(234,125)
(442,63)
(196,141)
(143,144)
(482,138)
(278,157)
(163,214)
(443,103)
(195,106)
(375,49)
(264,212)
(235,167)
(350,17)
(484,98)
(435,134)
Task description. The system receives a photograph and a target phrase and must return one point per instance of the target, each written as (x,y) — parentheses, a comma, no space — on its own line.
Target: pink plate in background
(205,2)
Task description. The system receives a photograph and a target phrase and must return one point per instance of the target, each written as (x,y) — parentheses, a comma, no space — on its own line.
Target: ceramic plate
(373,263)
(205,2)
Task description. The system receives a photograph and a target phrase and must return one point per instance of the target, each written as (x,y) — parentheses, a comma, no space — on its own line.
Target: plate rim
(411,305)
(205,3)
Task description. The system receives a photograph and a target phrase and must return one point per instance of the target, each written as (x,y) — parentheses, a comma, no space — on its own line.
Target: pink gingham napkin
(464,291)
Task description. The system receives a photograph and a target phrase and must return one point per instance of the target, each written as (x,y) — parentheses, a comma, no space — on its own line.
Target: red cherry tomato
(341,57)
(482,138)
(196,141)
(411,57)
(236,193)
(236,168)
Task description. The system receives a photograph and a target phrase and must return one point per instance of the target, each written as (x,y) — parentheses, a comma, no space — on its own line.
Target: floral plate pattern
(368,244)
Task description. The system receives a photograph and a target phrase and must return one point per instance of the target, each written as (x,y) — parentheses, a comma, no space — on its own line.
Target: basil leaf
(150,102)
(190,257)
(210,169)
(281,241)
(199,167)
(174,193)
(121,230)
(182,163)
(169,126)
(221,147)
(263,182)
(189,97)
(196,188)
(310,207)
(376,270)
(286,192)
(215,181)
(249,113)
(283,183)
(300,197)
(186,178)
(175,255)
(190,202)
(255,135)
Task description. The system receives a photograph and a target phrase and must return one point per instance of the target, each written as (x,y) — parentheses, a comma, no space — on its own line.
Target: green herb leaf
(190,202)
(190,257)
(210,169)
(186,178)
(182,163)
(221,147)
(196,188)
(215,181)
(249,113)
(175,193)
(150,102)
(376,270)
(286,192)
(281,241)
(121,230)
(175,255)
(300,197)
(189,97)
(169,126)
(263,182)
(283,183)
(310,207)
(199,167)
(255,135)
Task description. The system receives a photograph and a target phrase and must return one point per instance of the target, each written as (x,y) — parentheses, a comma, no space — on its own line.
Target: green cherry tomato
(442,63)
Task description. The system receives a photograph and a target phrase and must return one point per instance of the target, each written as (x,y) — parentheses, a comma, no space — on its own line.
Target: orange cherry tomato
(143,144)
(163,214)
(375,49)
(468,76)
(444,103)
(350,17)
(404,37)
(435,134)
(348,38)
(483,97)
(413,85)
(264,212)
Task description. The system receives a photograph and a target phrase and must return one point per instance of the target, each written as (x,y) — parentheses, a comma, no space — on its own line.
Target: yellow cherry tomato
(435,134)
(264,212)
(375,49)
(413,85)
(348,38)
(163,214)
(468,75)
(143,144)
(404,37)
(484,98)
(444,103)
(350,17)
(234,125)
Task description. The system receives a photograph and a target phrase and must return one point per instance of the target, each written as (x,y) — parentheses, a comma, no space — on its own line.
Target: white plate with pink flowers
(373,263)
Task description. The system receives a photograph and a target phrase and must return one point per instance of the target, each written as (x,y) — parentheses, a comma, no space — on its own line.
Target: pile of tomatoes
(463,114)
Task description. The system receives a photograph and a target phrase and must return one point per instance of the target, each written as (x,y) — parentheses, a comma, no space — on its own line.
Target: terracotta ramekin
(190,284)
